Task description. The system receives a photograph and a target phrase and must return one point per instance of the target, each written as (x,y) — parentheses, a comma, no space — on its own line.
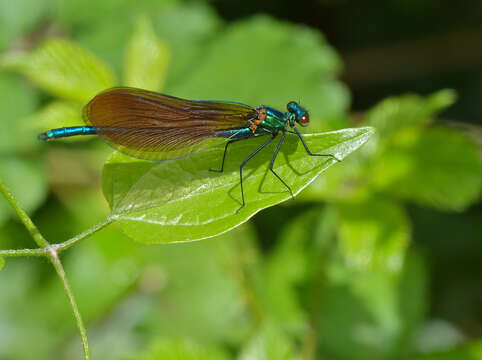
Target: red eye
(304,120)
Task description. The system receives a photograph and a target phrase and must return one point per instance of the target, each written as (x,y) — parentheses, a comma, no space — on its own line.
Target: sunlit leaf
(64,69)
(146,58)
(2,263)
(182,200)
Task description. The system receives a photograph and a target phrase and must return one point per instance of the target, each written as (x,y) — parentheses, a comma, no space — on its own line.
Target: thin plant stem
(32,229)
(23,252)
(68,243)
(54,258)
(44,251)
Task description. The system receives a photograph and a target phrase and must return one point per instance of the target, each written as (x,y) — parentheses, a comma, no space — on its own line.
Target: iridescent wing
(148,125)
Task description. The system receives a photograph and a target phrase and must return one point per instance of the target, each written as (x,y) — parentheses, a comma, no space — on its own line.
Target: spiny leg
(225,151)
(266,143)
(273,160)
(308,150)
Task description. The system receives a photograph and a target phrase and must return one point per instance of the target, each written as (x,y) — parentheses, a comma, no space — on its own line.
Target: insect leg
(225,151)
(266,143)
(308,150)
(273,160)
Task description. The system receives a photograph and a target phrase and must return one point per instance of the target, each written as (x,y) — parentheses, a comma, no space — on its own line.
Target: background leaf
(373,239)
(146,58)
(408,111)
(439,168)
(235,68)
(165,202)
(64,69)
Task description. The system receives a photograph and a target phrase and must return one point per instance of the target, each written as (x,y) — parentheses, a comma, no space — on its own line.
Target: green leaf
(269,342)
(375,238)
(64,69)
(177,349)
(470,351)
(264,61)
(182,200)
(146,58)
(2,263)
(439,168)
(397,113)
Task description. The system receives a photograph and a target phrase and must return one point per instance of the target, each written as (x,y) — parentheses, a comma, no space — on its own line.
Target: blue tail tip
(43,136)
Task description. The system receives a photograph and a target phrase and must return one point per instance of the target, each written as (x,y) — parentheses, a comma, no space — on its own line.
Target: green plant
(363,291)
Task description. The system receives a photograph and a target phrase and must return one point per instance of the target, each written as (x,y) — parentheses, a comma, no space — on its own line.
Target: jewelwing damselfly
(153,126)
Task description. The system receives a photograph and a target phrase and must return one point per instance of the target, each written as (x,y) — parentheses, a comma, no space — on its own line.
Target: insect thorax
(275,120)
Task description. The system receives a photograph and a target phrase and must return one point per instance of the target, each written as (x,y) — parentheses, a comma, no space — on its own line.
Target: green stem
(68,243)
(54,258)
(32,229)
(23,252)
(44,251)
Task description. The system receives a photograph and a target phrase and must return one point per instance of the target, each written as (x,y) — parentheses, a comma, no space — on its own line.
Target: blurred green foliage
(334,274)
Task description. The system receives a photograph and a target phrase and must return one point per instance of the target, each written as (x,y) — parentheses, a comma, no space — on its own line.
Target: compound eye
(304,120)
(291,106)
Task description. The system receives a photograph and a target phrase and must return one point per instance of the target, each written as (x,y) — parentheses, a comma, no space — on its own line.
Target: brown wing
(153,126)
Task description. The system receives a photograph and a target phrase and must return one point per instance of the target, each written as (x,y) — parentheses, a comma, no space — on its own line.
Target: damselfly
(152,126)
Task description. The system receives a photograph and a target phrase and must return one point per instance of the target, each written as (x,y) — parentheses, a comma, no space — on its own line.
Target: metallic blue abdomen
(66,132)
